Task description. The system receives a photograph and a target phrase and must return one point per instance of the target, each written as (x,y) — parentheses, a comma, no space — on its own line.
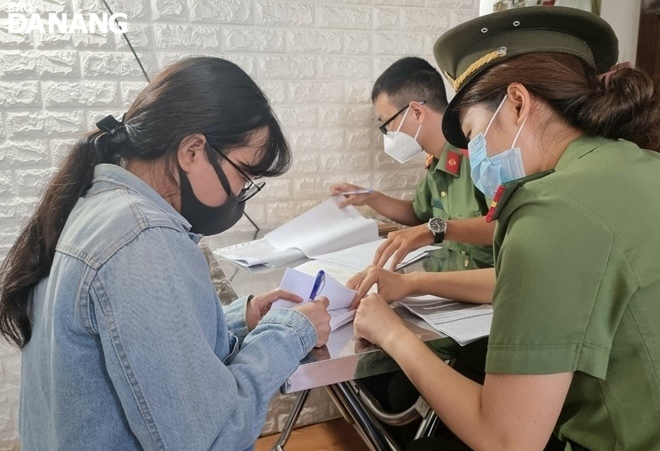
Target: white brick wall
(317,61)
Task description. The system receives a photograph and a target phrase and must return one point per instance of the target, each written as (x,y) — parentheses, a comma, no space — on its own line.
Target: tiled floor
(335,435)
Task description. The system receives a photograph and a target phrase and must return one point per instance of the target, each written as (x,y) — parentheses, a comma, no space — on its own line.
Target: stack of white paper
(464,322)
(323,229)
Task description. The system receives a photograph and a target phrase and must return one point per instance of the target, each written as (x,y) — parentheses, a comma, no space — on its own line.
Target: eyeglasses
(250,187)
(383,126)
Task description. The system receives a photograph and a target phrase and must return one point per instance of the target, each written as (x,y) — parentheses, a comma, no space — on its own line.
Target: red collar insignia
(493,205)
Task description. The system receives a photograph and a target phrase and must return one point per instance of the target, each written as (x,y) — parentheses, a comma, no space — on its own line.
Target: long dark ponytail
(31,256)
(206,95)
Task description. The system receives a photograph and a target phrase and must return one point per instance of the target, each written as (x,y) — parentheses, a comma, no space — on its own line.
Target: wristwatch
(438,227)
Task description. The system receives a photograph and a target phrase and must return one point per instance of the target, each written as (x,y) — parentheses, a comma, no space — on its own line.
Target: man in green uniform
(410,99)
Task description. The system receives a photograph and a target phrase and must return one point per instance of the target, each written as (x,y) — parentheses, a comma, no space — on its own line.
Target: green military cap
(465,51)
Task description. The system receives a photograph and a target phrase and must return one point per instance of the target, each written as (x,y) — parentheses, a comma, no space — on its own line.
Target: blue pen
(319,282)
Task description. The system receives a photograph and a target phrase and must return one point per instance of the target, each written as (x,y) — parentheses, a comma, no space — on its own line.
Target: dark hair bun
(627,107)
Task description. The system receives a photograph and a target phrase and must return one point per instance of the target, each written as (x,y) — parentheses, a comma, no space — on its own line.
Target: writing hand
(317,313)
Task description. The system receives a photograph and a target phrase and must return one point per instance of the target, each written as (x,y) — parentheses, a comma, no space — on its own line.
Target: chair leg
(428,426)
(291,421)
(367,426)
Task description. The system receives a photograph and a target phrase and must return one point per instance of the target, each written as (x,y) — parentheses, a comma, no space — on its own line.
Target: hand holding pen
(319,283)
(316,310)
(354,195)
(359,191)
(317,314)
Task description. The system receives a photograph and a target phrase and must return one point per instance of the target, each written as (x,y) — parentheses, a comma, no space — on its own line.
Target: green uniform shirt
(442,194)
(577,256)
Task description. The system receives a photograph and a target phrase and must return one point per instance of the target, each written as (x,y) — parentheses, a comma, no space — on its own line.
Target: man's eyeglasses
(383,127)
(250,188)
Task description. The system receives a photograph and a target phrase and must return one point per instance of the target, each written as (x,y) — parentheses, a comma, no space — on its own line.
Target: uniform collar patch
(450,160)
(505,191)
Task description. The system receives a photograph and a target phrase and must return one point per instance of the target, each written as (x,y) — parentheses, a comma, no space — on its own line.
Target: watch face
(437,225)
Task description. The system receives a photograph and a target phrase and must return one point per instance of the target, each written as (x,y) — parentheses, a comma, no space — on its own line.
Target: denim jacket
(131,348)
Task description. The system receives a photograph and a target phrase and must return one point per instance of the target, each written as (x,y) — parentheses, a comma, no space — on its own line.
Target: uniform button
(463,252)
(443,194)
(467,262)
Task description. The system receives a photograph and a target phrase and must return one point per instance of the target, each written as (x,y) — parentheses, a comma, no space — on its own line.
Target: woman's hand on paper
(391,286)
(399,243)
(375,321)
(259,305)
(351,199)
(317,313)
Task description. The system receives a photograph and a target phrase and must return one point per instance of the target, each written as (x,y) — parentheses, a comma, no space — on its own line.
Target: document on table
(301,284)
(341,274)
(362,255)
(323,229)
(259,252)
(462,321)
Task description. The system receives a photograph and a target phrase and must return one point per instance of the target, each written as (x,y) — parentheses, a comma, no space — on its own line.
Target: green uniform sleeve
(422,206)
(562,286)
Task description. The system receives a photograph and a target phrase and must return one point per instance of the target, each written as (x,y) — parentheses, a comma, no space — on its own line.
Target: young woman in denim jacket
(125,344)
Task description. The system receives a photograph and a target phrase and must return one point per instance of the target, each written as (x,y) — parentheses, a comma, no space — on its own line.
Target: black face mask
(209,220)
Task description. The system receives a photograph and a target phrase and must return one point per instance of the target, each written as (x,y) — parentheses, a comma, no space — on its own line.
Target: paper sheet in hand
(462,321)
(339,296)
(320,230)
(362,255)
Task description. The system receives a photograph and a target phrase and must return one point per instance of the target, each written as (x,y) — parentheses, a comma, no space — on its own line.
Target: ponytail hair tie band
(605,76)
(115,129)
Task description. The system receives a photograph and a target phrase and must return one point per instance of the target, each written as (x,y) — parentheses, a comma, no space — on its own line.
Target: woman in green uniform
(574,347)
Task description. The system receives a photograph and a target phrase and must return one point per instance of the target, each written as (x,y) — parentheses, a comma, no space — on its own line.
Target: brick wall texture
(316,60)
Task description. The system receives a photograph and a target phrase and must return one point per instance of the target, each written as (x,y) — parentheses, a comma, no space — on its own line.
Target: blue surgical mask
(488,173)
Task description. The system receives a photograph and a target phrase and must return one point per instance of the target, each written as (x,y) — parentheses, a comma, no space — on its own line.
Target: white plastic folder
(301,284)
(323,229)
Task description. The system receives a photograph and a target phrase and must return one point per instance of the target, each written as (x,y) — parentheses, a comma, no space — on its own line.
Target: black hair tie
(115,129)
